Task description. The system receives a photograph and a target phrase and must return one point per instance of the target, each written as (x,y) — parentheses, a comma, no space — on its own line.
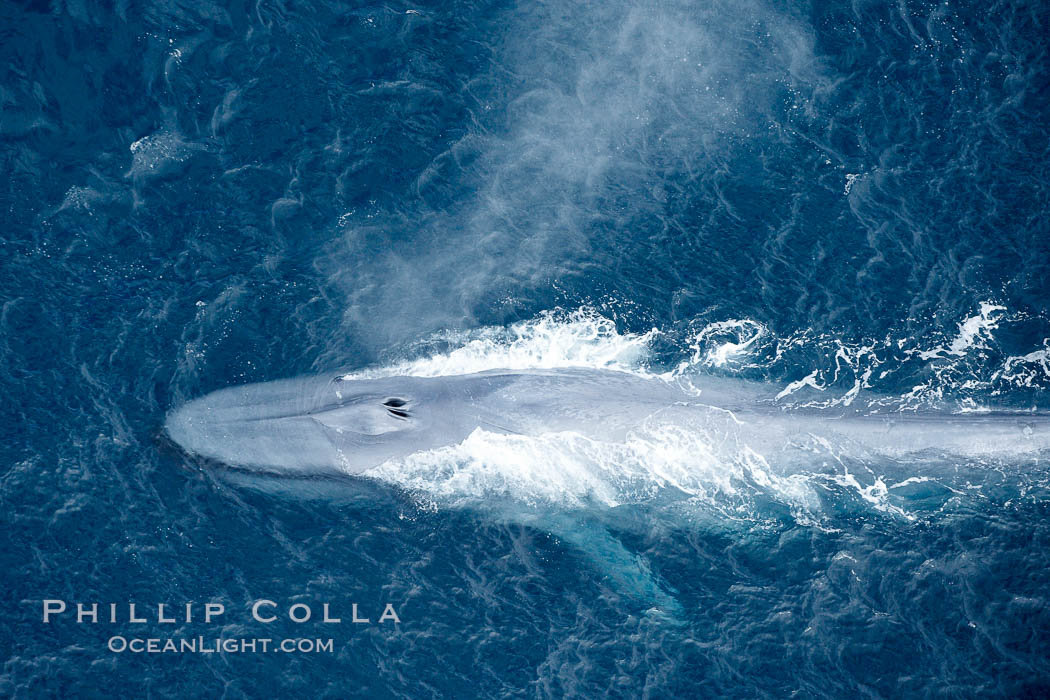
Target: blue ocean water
(839,199)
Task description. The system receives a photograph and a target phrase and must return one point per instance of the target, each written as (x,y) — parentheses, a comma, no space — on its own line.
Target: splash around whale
(341,425)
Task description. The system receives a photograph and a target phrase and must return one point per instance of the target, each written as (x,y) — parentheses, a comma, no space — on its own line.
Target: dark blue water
(841,199)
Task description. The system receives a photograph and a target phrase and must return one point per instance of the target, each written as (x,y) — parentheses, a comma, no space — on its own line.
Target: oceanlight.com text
(203,645)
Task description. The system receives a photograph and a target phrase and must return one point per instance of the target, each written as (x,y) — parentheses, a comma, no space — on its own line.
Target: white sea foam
(581,338)
(720,343)
(1026,370)
(159,153)
(809,380)
(974,332)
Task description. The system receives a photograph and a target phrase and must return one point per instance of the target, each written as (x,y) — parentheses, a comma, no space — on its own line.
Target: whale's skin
(336,425)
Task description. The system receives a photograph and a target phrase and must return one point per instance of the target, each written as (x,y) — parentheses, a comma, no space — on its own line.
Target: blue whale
(339,425)
(319,430)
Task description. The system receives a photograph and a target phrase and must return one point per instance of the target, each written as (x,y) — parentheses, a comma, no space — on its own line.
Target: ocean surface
(843,200)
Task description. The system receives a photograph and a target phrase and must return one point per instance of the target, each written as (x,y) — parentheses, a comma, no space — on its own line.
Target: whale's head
(305,427)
